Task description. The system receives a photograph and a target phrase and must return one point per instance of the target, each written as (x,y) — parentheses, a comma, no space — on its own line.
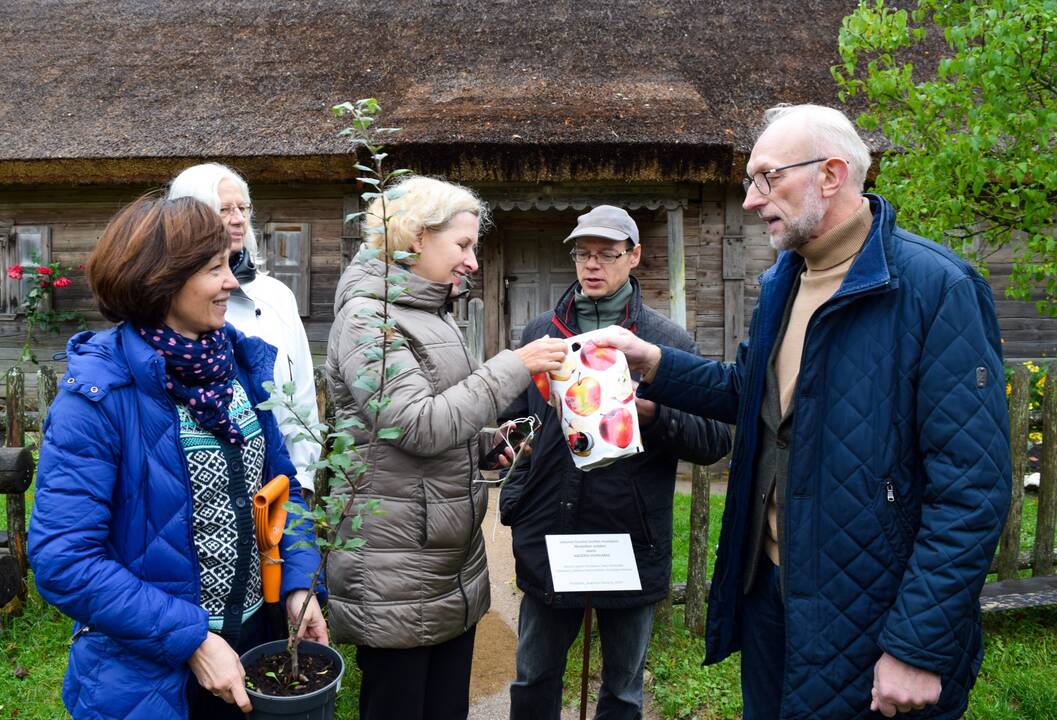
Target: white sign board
(592,563)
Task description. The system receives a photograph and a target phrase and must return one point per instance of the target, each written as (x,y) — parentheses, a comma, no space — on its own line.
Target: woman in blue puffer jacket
(152,452)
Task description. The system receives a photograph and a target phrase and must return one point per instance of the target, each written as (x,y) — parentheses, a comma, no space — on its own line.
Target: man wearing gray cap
(548,495)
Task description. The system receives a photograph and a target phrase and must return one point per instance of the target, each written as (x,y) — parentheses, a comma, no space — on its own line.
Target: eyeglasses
(228,210)
(606,258)
(762,178)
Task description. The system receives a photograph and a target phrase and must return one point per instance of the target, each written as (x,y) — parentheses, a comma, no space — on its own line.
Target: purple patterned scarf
(198,374)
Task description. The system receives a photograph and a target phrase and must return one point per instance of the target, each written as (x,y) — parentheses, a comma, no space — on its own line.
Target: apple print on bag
(594,397)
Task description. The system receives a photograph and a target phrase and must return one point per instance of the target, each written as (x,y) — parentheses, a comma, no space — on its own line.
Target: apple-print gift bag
(595,401)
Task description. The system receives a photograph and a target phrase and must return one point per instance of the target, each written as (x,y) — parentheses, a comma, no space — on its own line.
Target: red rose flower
(44,270)
(62,282)
(15,272)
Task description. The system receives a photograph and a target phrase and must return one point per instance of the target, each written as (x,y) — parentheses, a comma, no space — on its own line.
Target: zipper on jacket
(897,505)
(827,308)
(469,487)
(190,509)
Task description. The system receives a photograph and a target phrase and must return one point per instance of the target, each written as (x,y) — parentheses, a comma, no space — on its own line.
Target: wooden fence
(1041,589)
(16,474)
(1009,591)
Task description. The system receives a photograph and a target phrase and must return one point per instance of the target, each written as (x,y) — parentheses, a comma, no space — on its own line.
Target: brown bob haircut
(150,249)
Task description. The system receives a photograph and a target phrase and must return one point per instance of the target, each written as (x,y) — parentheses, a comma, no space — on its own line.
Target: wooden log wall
(734,250)
(77,215)
(1025,333)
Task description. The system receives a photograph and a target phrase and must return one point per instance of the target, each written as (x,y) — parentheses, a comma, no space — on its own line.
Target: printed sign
(601,562)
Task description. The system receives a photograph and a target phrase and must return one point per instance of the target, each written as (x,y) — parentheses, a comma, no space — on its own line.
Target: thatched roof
(565,87)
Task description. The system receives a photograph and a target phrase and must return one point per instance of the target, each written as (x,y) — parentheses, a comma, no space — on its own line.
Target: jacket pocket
(891,514)
(89,651)
(424,538)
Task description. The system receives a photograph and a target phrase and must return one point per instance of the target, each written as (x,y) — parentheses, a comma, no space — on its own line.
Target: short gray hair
(202,182)
(832,135)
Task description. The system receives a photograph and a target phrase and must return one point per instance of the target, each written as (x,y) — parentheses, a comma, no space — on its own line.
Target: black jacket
(546,494)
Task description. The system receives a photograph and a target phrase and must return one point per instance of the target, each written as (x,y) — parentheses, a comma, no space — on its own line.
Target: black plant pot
(317,705)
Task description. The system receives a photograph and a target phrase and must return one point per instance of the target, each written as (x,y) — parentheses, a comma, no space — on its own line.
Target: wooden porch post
(494,296)
(676,267)
(733,274)
(350,233)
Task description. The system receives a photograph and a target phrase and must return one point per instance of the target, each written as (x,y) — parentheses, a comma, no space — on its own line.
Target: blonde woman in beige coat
(411,597)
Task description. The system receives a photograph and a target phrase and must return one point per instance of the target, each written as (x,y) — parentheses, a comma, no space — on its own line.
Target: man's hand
(314,626)
(642,356)
(647,409)
(218,669)
(900,688)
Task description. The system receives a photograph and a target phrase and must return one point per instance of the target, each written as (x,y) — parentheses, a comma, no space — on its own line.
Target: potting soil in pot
(270,675)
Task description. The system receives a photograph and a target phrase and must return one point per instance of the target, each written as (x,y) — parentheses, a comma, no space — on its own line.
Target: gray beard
(798,230)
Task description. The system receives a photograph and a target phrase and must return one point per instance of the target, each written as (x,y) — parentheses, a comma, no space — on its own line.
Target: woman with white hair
(262,306)
(411,597)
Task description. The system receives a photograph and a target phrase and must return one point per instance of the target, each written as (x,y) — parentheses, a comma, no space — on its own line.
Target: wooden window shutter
(288,253)
(6,284)
(30,247)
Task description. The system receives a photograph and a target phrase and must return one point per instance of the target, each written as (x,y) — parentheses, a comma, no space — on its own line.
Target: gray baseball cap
(606,221)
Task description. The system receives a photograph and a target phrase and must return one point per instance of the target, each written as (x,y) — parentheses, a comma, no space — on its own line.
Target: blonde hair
(420,203)
(202,182)
(832,135)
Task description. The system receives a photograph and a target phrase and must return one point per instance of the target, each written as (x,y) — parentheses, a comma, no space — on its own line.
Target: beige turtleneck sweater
(827,259)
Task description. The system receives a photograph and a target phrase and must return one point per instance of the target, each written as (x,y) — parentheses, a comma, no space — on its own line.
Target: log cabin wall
(717,285)
(77,216)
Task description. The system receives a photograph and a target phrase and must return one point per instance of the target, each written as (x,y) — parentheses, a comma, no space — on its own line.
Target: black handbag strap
(245,547)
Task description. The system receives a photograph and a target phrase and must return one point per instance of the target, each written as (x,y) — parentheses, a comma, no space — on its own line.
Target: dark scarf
(198,374)
(244,270)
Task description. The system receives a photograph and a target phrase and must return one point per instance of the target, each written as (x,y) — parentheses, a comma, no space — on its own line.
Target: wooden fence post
(16,503)
(1007,561)
(697,565)
(16,473)
(47,387)
(662,611)
(1042,559)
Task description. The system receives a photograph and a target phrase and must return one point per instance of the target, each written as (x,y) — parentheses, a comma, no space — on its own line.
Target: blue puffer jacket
(110,540)
(899,472)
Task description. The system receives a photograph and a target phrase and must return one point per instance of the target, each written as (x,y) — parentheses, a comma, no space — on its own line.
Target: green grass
(37,643)
(1028,516)
(1017,681)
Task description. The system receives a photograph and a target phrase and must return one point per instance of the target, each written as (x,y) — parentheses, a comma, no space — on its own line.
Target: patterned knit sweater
(215,536)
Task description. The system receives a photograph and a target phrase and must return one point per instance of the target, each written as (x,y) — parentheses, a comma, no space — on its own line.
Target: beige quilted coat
(422,577)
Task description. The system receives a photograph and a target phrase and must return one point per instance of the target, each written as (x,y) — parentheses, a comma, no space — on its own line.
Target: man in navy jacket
(870,476)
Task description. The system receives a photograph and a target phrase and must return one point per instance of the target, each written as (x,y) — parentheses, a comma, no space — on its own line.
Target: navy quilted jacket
(110,540)
(899,471)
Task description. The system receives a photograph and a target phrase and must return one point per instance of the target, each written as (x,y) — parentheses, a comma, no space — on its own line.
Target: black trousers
(422,683)
(203,705)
